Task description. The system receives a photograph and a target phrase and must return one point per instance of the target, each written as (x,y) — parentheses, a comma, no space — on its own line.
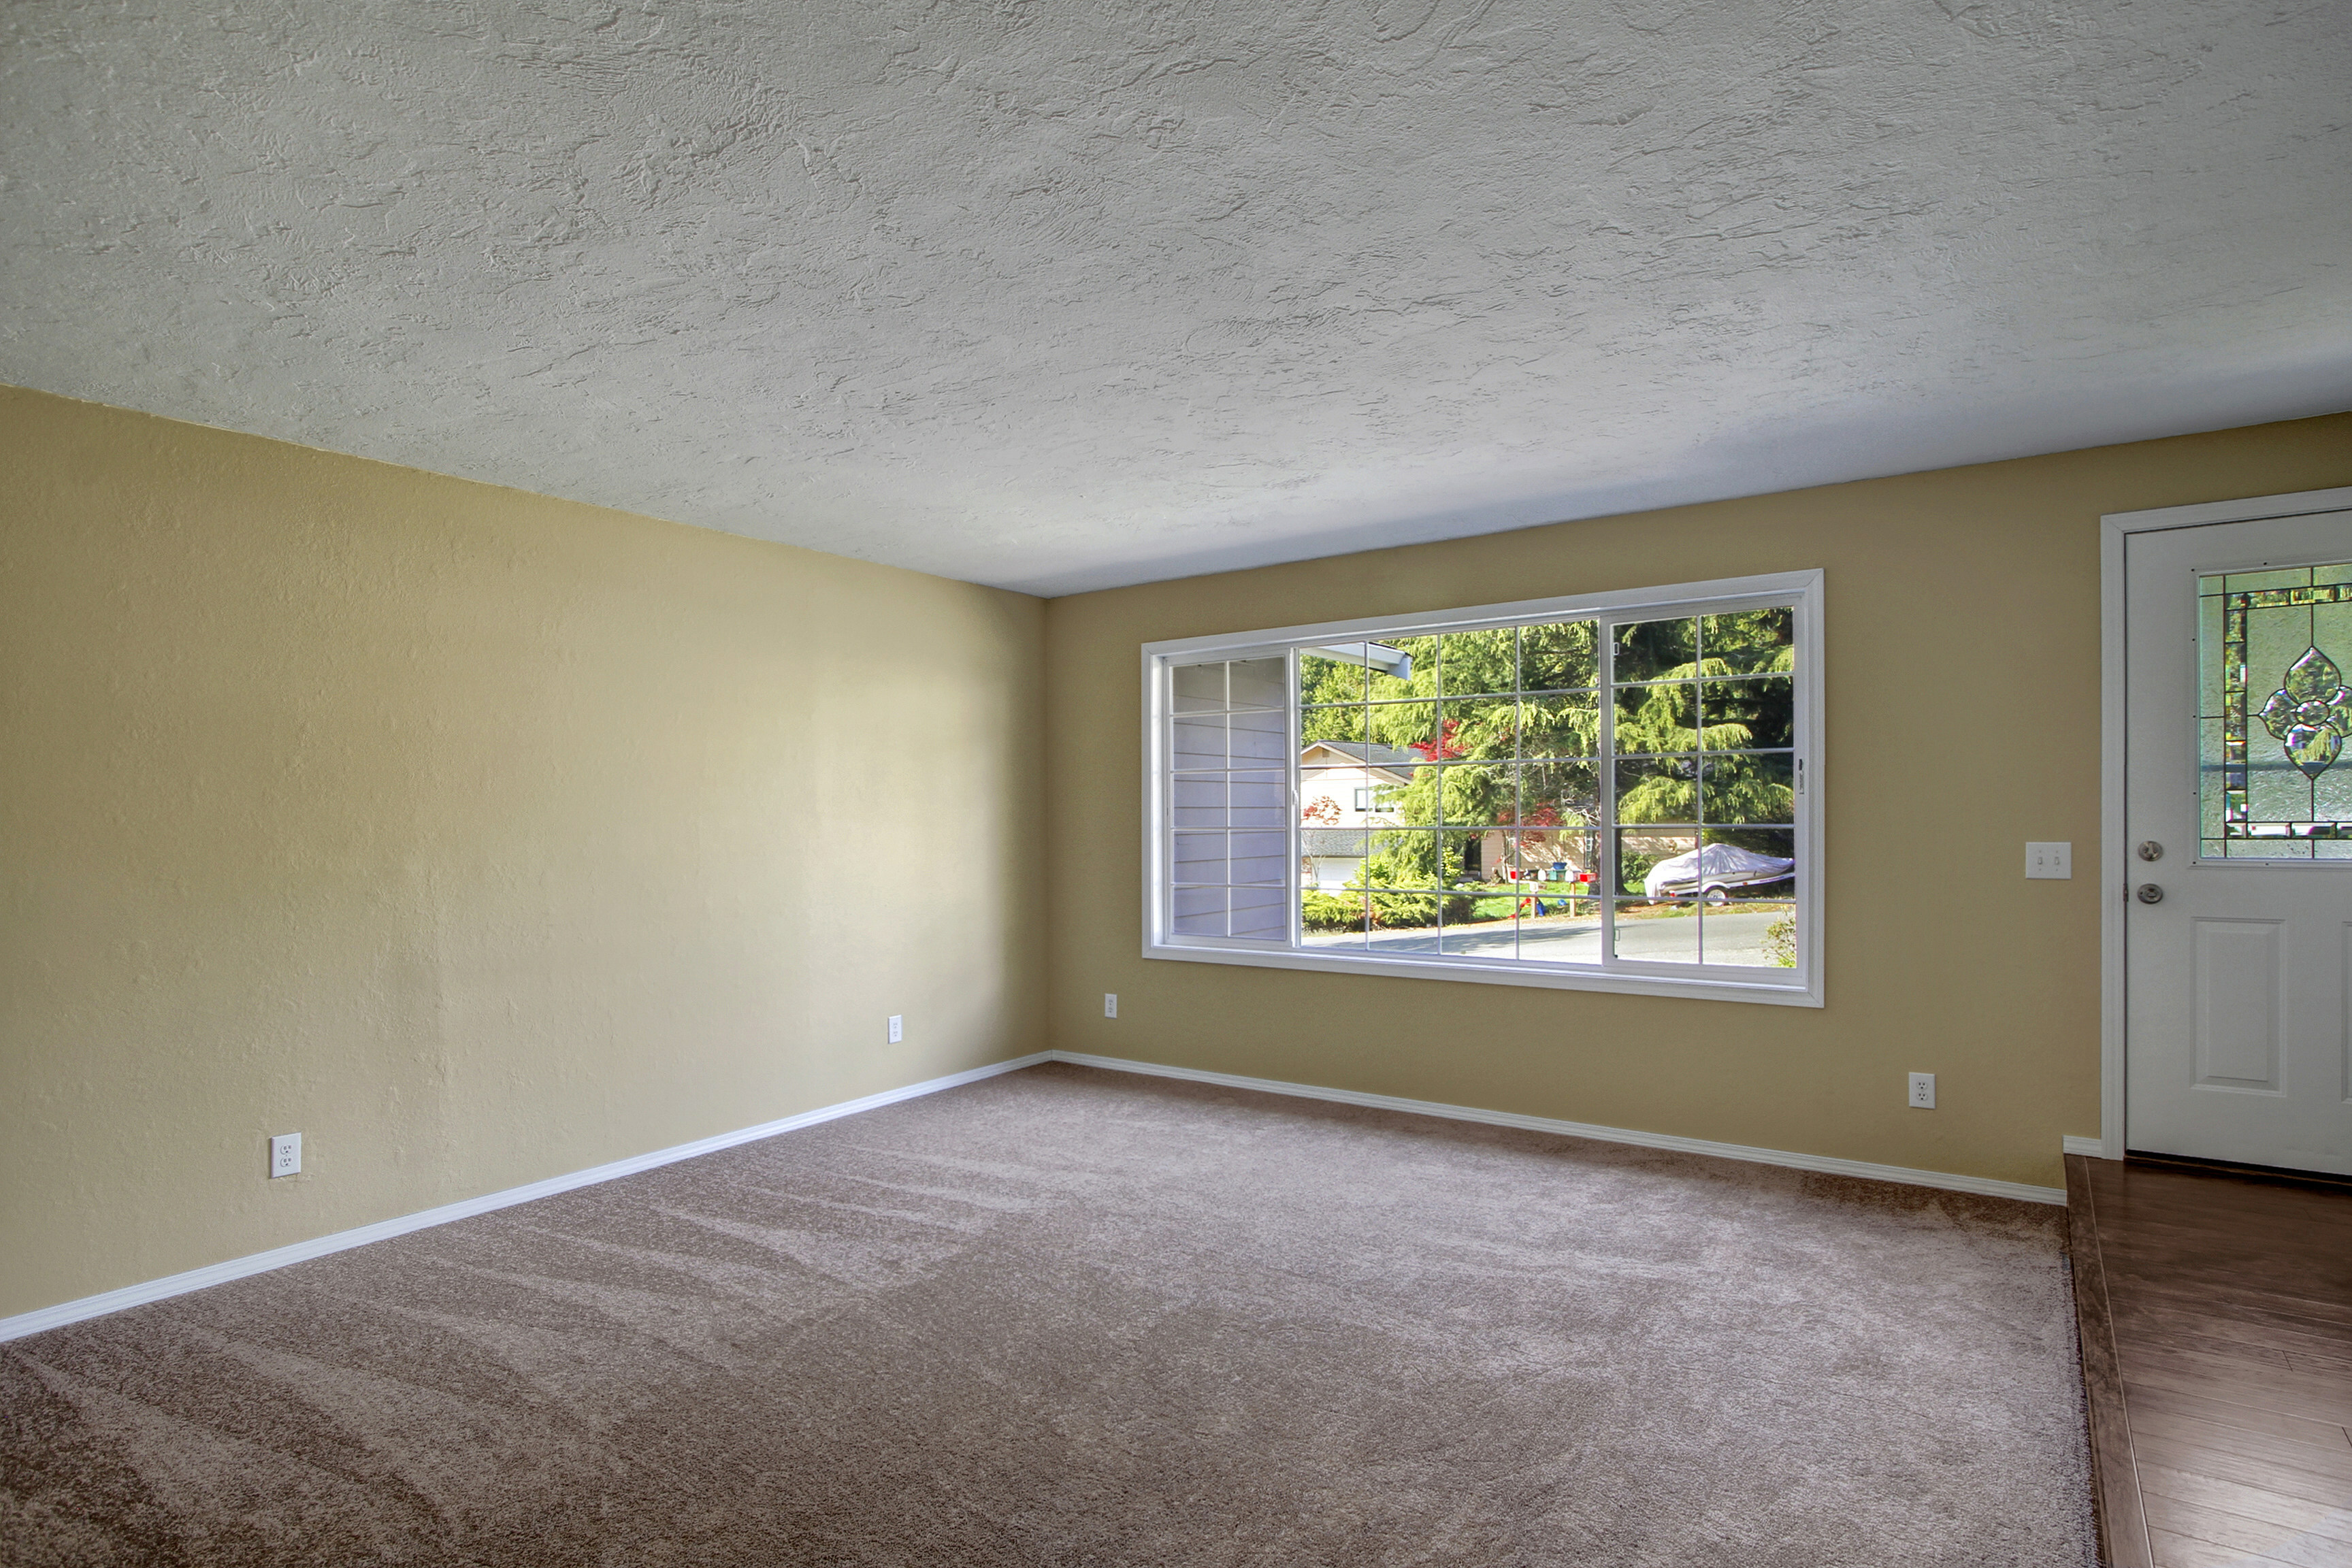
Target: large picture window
(1616,793)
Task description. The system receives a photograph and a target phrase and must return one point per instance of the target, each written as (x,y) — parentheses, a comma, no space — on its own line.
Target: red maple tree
(1442,749)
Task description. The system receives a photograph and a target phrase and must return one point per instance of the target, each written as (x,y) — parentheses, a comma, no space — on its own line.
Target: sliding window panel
(1257,799)
(1197,800)
(1258,858)
(1196,742)
(1259,913)
(1227,801)
(1258,739)
(1197,688)
(1197,911)
(1252,684)
(1197,858)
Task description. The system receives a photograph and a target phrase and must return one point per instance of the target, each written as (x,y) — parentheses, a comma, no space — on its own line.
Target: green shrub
(1326,912)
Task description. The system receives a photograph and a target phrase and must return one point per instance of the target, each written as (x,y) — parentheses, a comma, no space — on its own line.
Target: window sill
(1786,993)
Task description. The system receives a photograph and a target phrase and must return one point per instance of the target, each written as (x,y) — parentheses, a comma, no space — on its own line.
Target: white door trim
(2114,852)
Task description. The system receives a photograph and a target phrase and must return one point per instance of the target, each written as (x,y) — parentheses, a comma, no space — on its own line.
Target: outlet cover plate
(285,1155)
(1923,1091)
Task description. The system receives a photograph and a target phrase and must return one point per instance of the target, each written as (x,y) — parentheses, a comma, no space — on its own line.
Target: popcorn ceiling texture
(1063,296)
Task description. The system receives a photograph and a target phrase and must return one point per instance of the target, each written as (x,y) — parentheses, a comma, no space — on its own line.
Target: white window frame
(1802,986)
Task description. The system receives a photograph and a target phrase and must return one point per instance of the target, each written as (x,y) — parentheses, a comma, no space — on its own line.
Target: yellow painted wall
(478,836)
(1962,689)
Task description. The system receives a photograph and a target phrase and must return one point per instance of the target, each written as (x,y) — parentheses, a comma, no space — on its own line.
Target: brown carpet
(1070,1317)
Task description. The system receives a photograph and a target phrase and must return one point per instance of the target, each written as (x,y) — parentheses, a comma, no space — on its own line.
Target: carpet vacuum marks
(1072,1317)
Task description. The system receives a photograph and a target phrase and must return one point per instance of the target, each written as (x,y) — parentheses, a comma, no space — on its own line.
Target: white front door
(2238,811)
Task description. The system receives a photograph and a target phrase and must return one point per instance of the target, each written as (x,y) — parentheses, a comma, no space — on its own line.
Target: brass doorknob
(2150,893)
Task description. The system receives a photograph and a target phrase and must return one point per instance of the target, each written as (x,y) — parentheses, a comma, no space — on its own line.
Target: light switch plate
(2051,862)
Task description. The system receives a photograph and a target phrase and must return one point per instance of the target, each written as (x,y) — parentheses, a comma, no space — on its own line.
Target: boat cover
(1717,865)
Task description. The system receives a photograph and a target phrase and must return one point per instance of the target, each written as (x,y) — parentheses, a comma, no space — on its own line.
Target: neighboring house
(1345,788)
(1348,788)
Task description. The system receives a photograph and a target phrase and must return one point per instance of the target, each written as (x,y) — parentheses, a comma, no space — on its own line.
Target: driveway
(1733,935)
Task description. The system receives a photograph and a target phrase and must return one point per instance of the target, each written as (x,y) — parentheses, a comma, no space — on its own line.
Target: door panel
(2238,771)
(2237,1002)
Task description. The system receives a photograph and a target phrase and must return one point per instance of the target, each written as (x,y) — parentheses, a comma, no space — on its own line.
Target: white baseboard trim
(65,1312)
(2097,1148)
(1984,1185)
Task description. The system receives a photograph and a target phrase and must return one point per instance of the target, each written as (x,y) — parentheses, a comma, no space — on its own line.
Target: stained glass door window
(2275,713)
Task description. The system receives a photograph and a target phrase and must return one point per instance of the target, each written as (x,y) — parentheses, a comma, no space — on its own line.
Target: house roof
(1370,753)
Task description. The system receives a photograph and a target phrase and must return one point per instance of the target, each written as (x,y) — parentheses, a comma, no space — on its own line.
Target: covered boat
(1710,872)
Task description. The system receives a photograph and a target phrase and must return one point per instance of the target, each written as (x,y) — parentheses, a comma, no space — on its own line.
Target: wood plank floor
(2217,1356)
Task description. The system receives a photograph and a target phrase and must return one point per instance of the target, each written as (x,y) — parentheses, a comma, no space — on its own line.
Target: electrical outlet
(2051,862)
(286,1156)
(897,1030)
(1923,1091)
(1110,1004)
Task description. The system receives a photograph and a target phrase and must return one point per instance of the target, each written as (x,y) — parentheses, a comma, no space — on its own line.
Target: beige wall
(478,836)
(1962,620)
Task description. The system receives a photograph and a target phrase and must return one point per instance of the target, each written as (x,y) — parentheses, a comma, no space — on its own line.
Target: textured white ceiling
(1058,296)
